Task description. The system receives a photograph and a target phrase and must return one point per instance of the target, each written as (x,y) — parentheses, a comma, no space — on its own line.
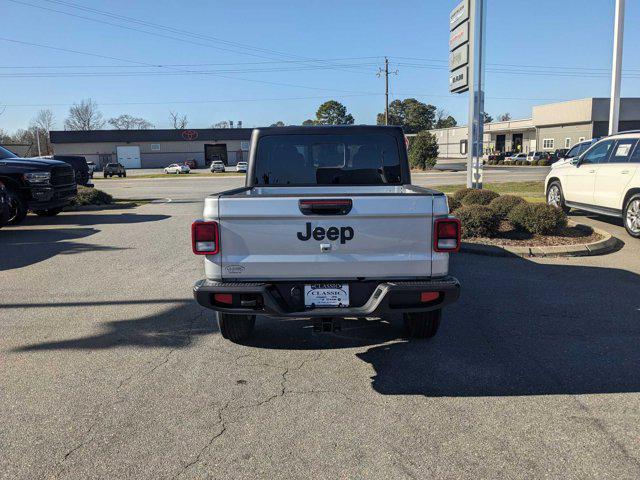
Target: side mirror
(575,161)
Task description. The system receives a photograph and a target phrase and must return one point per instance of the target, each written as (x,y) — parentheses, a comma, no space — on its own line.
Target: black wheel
(17,208)
(632,216)
(236,327)
(555,197)
(50,212)
(422,324)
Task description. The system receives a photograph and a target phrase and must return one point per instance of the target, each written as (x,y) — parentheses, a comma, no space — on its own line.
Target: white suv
(605,179)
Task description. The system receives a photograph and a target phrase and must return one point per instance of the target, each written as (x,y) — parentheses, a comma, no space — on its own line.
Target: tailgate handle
(338,206)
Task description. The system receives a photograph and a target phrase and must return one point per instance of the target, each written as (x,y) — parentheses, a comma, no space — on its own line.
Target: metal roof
(133,136)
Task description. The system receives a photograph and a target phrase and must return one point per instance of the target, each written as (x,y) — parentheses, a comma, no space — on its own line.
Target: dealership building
(551,126)
(155,148)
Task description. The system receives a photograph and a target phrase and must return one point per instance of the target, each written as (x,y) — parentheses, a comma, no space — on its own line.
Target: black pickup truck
(41,186)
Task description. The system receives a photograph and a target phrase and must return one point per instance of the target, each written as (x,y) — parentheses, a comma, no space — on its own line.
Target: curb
(93,208)
(607,245)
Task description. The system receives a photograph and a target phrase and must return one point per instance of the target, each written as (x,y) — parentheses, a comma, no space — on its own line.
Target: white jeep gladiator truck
(327,226)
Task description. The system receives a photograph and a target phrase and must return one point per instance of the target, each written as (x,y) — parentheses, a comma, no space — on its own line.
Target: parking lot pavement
(196,188)
(110,370)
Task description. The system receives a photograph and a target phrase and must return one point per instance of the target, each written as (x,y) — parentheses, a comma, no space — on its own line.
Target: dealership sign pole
(616,68)
(466,66)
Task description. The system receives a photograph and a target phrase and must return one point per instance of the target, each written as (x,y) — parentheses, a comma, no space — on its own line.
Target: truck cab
(327,226)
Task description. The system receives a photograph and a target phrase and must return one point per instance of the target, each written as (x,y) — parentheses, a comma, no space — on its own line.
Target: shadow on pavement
(93,218)
(21,248)
(173,328)
(520,328)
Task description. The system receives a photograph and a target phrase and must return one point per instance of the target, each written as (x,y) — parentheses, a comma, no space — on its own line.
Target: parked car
(577,150)
(241,167)
(111,169)
(177,169)
(79,165)
(516,157)
(217,166)
(92,168)
(326,229)
(531,156)
(191,163)
(42,186)
(605,179)
(4,205)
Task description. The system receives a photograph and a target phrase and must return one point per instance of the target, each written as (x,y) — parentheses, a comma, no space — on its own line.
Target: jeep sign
(459,57)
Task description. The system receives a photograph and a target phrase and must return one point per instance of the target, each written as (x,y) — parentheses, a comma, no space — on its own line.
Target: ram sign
(459,79)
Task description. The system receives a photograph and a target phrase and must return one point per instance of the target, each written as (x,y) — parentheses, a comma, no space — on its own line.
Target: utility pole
(38,141)
(385,72)
(616,68)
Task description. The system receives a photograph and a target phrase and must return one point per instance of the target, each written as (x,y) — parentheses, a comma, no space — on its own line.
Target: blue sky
(537,52)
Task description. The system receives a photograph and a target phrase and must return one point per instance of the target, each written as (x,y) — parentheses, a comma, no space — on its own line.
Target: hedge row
(482,211)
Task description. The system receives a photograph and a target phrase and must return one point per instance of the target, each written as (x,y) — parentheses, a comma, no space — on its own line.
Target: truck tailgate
(269,237)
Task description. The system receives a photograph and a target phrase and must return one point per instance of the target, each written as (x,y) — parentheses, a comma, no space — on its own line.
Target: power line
(108,57)
(165,28)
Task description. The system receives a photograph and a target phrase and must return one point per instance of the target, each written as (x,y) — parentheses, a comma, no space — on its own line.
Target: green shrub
(521,162)
(534,163)
(504,204)
(91,196)
(537,218)
(453,203)
(479,197)
(544,163)
(423,150)
(463,192)
(478,221)
(500,162)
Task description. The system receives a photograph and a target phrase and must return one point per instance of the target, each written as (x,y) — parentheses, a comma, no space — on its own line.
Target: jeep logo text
(332,233)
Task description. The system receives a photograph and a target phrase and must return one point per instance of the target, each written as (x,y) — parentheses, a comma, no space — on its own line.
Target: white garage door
(129,157)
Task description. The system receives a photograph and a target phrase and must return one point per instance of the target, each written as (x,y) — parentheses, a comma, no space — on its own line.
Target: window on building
(155,147)
(581,139)
(567,143)
(548,143)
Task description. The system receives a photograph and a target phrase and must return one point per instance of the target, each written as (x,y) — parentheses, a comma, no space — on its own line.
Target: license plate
(326,295)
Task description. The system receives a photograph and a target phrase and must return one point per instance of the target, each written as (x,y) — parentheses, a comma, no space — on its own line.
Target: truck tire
(236,327)
(422,324)
(50,212)
(17,208)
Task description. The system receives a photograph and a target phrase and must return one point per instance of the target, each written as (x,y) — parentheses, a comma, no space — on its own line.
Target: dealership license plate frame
(327,295)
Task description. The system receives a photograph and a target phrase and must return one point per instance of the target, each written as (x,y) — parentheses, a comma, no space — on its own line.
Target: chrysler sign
(459,14)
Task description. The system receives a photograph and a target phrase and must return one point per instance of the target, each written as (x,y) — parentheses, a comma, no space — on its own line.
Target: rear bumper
(386,297)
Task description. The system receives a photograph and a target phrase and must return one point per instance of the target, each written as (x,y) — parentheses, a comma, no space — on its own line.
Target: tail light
(205,238)
(446,236)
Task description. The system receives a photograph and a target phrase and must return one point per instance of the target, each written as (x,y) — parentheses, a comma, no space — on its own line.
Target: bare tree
(84,116)
(222,124)
(127,122)
(179,121)
(41,125)
(504,117)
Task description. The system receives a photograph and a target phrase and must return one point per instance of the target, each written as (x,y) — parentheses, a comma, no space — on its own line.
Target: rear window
(327,160)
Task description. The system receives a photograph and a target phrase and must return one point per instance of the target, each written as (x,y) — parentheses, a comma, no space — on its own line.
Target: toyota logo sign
(189,135)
